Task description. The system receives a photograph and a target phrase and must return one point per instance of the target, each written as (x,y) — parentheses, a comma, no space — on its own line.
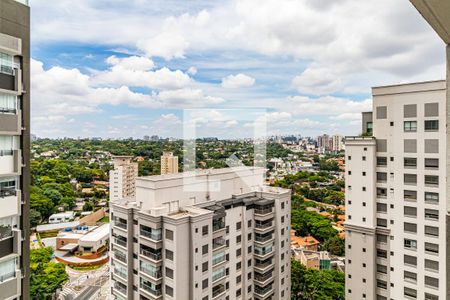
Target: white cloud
(237,81)
(317,81)
(134,63)
(192,71)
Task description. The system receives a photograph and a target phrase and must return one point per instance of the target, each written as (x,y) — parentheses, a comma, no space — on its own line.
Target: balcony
(263,265)
(264,213)
(155,256)
(263,252)
(152,289)
(120,256)
(218,258)
(156,274)
(11,79)
(218,290)
(154,235)
(264,227)
(218,243)
(263,292)
(263,279)
(10,202)
(10,284)
(218,224)
(10,162)
(120,287)
(263,238)
(10,121)
(121,241)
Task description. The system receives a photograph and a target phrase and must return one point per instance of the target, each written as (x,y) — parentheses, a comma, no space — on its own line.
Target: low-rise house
(61,217)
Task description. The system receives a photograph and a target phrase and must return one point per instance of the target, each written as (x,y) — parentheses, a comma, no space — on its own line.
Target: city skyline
(103,78)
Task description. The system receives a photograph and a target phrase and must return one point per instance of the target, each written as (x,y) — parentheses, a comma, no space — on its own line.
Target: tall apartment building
(212,234)
(14,149)
(169,163)
(122,178)
(337,143)
(397,228)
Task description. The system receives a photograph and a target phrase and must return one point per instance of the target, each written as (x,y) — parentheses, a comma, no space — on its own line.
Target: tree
(335,246)
(40,202)
(46,275)
(315,284)
(35,217)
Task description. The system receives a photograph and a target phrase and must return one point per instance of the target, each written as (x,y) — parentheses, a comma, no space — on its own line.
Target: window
(381,222)
(169,254)
(432,163)
(410,227)
(381,238)
(431,231)
(410,179)
(169,290)
(238,225)
(381,177)
(8,103)
(205,283)
(411,293)
(410,211)
(381,192)
(410,146)
(431,214)
(410,195)
(6,63)
(432,180)
(410,244)
(369,127)
(169,234)
(410,276)
(381,253)
(431,125)
(381,284)
(381,207)
(431,198)
(169,273)
(431,281)
(410,260)
(410,126)
(431,109)
(431,265)
(431,297)
(432,248)
(238,239)
(381,145)
(205,266)
(381,161)
(381,112)
(204,249)
(205,230)
(410,111)
(410,162)
(381,269)
(431,145)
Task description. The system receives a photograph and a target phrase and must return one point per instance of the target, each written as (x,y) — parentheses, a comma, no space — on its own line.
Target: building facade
(14,148)
(211,234)
(122,178)
(337,143)
(397,227)
(169,163)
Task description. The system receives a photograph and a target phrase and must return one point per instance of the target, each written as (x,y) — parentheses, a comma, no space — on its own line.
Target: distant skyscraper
(337,143)
(154,138)
(397,228)
(14,149)
(169,163)
(146,138)
(122,178)
(324,142)
(227,240)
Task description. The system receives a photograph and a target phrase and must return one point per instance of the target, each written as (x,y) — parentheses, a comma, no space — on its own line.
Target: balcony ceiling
(437,14)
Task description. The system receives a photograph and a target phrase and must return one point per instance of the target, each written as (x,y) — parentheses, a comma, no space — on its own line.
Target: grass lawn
(105,219)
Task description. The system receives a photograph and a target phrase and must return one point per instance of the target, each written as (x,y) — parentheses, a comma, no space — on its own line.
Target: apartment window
(431,231)
(381,145)
(432,180)
(431,265)
(431,125)
(432,248)
(238,252)
(432,163)
(410,260)
(169,273)
(431,282)
(431,214)
(410,227)
(381,192)
(205,283)
(349,172)
(238,225)
(409,195)
(431,297)
(381,207)
(431,109)
(363,188)
(410,146)
(410,244)
(238,266)
(205,230)
(431,146)
(381,161)
(410,276)
(410,179)
(410,162)
(249,222)
(381,112)
(205,266)
(169,290)
(381,253)
(381,177)
(410,111)
(411,293)
(381,284)
(6,63)
(381,238)
(8,103)
(204,249)
(349,158)
(431,198)
(410,126)
(410,211)
(381,269)
(169,234)
(238,239)
(169,254)
(381,222)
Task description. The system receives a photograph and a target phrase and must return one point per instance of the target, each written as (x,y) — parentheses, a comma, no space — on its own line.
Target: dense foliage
(315,284)
(46,275)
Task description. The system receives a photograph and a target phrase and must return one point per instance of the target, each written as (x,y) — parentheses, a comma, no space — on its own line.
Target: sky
(130,68)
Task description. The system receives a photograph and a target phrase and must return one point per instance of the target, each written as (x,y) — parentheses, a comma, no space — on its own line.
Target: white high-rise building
(397,228)
(169,163)
(212,234)
(122,178)
(337,143)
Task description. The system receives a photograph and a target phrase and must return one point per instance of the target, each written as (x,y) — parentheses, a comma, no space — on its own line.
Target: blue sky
(131,67)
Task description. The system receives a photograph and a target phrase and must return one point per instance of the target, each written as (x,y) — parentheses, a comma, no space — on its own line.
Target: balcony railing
(120,288)
(120,256)
(263,264)
(154,292)
(8,193)
(263,251)
(218,242)
(7,276)
(120,242)
(217,259)
(151,255)
(4,110)
(263,290)
(120,224)
(263,238)
(121,273)
(218,224)
(153,273)
(263,277)
(6,152)
(263,211)
(263,225)
(218,290)
(151,235)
